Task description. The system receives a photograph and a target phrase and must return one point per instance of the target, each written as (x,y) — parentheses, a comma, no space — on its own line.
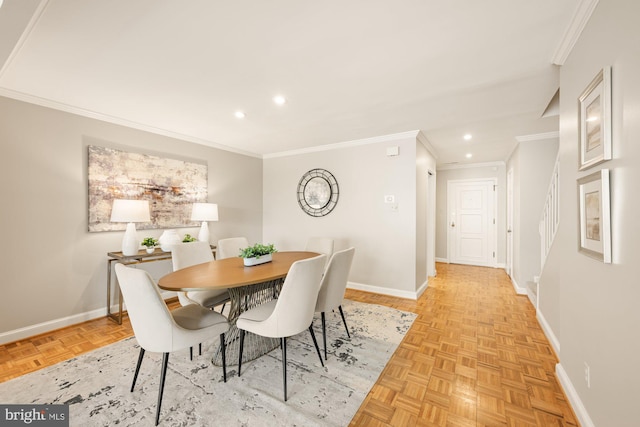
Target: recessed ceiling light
(469,155)
(240,115)
(279,99)
(467,136)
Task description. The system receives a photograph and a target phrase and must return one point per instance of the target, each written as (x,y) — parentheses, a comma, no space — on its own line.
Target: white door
(510,223)
(472,222)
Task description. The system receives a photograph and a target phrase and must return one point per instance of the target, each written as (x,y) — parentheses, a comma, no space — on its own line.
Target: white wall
(445,175)
(591,307)
(52,267)
(532,163)
(385,239)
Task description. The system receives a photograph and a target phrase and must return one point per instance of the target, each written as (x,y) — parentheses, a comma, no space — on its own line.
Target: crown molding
(538,136)
(26,33)
(572,33)
(365,141)
(422,138)
(469,165)
(117,121)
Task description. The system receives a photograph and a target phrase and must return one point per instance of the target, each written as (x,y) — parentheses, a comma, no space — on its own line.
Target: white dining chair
(230,247)
(159,330)
(321,245)
(290,314)
(185,255)
(332,288)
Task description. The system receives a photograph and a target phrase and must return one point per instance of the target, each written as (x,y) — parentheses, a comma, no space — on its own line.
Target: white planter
(248,262)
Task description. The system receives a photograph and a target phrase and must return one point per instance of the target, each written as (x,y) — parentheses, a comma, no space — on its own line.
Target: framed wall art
(170,185)
(595,121)
(595,216)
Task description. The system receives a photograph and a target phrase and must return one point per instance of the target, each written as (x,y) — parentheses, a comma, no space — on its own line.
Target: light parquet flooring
(475,356)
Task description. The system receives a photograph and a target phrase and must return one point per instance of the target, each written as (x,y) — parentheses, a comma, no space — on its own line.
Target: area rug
(96,385)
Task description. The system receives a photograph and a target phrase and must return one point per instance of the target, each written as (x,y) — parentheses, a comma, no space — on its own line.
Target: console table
(141,257)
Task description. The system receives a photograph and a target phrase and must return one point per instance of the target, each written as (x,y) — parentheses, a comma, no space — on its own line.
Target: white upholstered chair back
(151,320)
(229,248)
(321,245)
(294,309)
(335,280)
(185,255)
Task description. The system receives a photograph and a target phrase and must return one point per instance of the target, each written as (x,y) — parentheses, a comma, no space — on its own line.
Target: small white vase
(249,262)
(150,249)
(168,239)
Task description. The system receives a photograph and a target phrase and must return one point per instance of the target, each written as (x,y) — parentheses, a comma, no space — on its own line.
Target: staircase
(550,215)
(548,227)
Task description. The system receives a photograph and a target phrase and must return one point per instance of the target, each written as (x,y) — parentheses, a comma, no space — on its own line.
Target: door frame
(510,206)
(493,232)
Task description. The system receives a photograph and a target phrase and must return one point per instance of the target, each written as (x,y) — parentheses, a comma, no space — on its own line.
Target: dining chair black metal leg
(315,342)
(200,349)
(135,375)
(324,334)
(344,321)
(224,357)
(190,353)
(163,376)
(283,343)
(222,309)
(240,352)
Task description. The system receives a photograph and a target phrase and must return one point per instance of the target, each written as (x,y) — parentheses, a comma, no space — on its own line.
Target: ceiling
(349,70)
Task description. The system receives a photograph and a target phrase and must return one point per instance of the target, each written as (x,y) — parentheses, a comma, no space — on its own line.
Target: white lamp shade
(204,212)
(130,211)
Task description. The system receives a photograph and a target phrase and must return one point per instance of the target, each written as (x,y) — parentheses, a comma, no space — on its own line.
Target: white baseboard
(422,288)
(40,328)
(445,260)
(501,265)
(52,325)
(519,290)
(387,291)
(574,399)
(546,328)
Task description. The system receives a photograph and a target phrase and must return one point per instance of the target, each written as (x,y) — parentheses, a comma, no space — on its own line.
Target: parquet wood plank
(475,356)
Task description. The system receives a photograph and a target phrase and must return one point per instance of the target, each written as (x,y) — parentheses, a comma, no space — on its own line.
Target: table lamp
(204,212)
(130,211)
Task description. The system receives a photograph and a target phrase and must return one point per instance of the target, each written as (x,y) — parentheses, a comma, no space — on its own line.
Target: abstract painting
(170,185)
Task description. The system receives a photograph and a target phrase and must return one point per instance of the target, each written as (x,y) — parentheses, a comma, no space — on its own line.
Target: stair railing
(550,214)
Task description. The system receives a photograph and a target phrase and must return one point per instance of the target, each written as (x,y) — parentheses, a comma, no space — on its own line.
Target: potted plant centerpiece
(150,244)
(188,238)
(257,254)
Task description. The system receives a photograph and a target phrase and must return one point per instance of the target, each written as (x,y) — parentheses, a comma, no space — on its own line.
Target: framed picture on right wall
(595,121)
(595,216)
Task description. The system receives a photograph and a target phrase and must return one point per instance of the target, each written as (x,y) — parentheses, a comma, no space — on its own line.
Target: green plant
(149,242)
(257,250)
(188,238)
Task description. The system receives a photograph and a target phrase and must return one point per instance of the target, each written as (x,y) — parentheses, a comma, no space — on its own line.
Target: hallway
(475,356)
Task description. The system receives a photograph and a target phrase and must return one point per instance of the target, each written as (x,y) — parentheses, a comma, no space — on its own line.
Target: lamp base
(130,243)
(203,235)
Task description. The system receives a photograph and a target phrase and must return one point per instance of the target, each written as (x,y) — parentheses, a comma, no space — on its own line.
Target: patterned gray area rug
(96,385)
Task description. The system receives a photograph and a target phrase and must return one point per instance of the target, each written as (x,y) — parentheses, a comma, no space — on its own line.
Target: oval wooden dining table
(248,287)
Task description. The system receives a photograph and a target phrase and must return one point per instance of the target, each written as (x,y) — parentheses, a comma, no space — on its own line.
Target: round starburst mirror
(318,192)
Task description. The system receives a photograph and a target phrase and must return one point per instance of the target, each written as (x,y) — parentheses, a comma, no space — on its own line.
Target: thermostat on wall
(393,151)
